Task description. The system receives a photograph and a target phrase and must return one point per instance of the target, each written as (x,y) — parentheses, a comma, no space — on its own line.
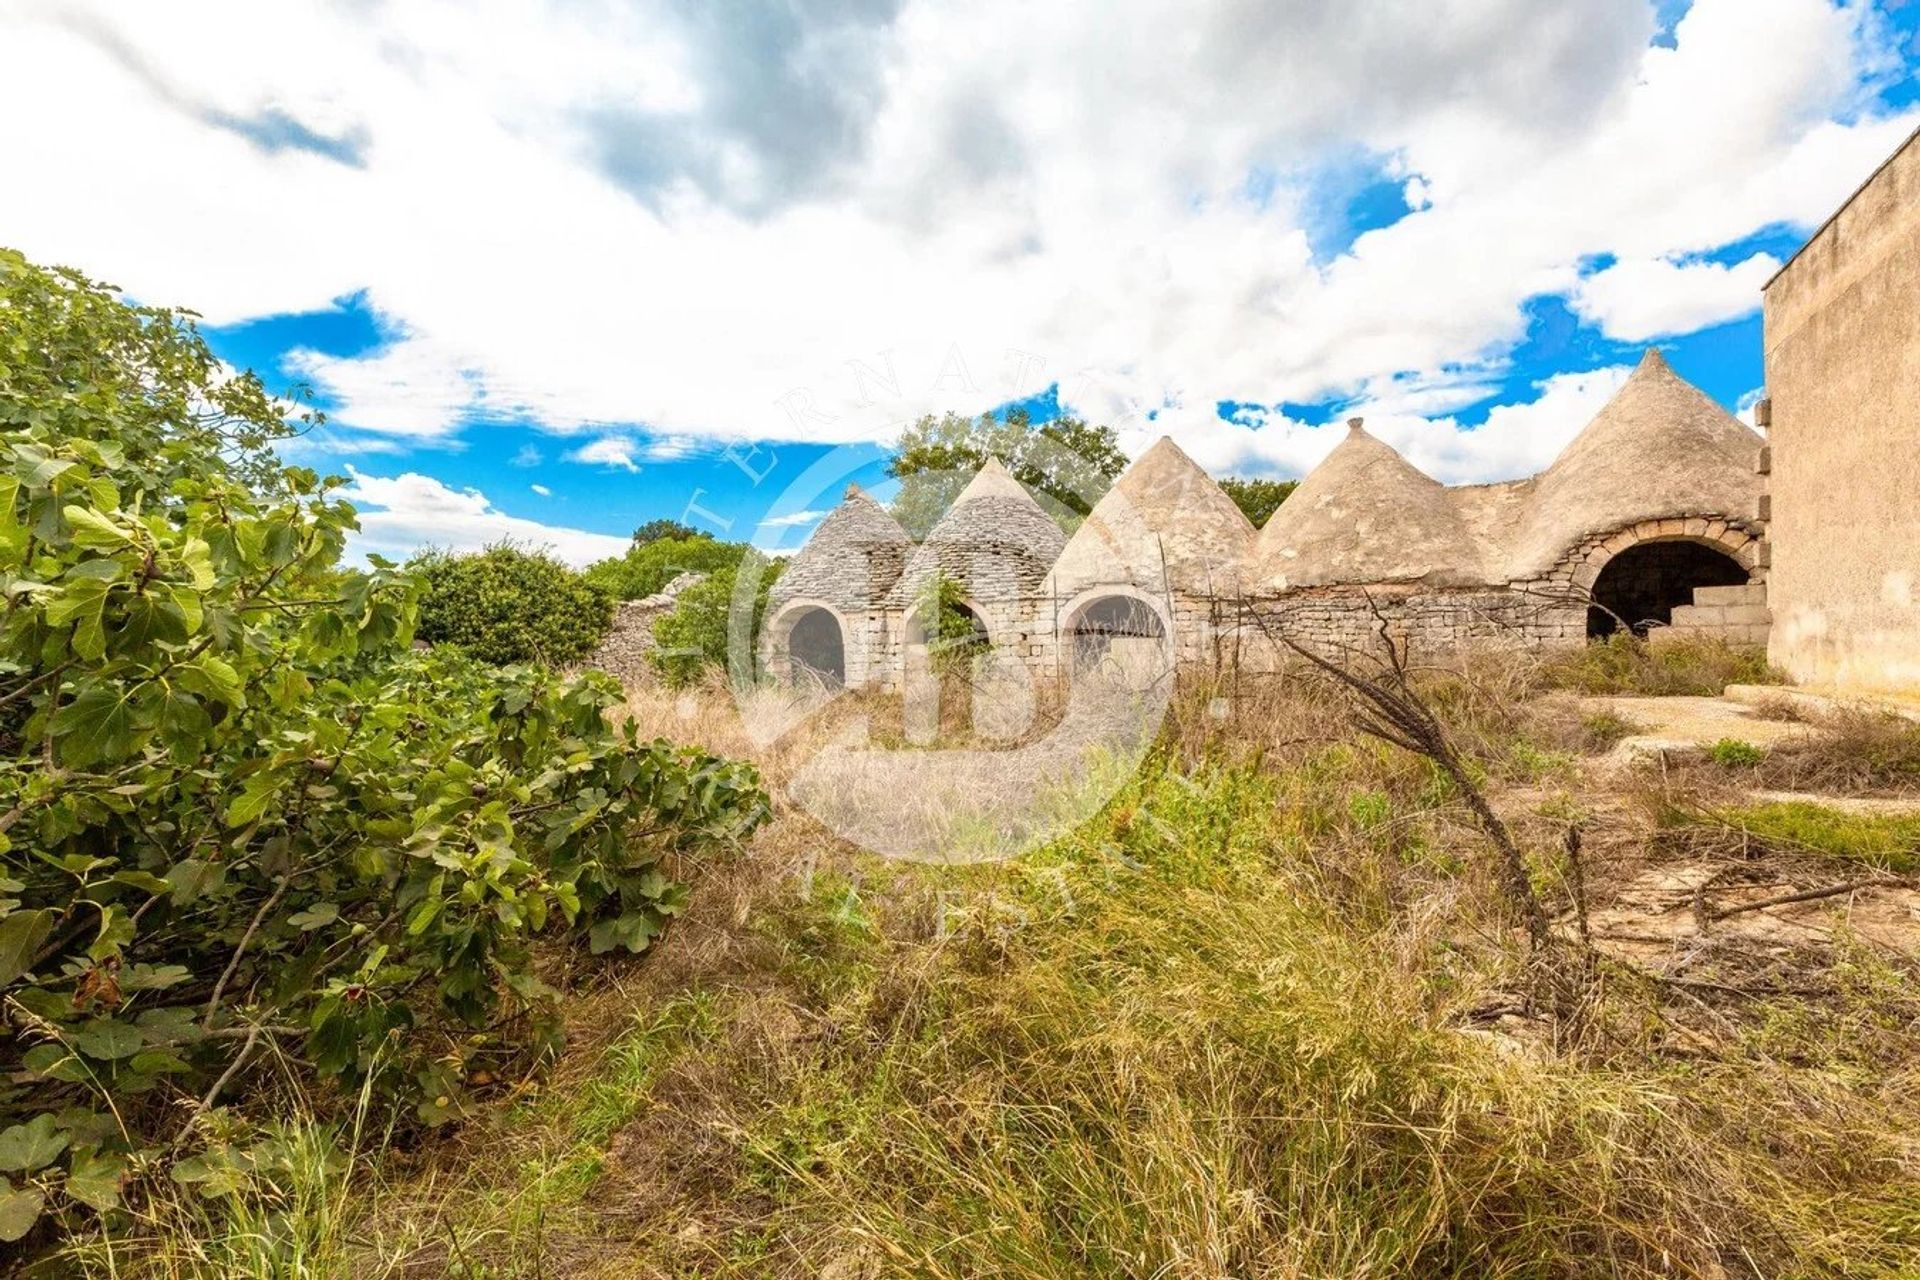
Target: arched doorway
(815,647)
(1640,586)
(1108,619)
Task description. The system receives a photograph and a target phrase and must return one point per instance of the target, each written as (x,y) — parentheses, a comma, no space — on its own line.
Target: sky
(553,269)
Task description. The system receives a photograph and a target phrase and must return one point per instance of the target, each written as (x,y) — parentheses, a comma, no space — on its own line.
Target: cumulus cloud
(793,519)
(1653,298)
(819,221)
(399,514)
(1515,440)
(607,451)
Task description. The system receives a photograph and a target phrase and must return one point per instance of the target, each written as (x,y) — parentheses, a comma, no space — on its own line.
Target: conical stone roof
(1661,447)
(1164,525)
(852,560)
(1366,515)
(994,539)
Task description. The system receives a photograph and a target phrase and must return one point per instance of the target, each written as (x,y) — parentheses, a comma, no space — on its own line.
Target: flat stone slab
(1816,701)
(1690,723)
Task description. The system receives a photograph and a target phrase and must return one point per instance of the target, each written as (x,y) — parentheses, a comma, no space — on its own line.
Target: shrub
(243,820)
(1626,664)
(507,604)
(1732,753)
(696,634)
(648,566)
(954,639)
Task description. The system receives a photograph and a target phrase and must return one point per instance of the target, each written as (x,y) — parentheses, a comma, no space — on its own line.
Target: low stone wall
(623,654)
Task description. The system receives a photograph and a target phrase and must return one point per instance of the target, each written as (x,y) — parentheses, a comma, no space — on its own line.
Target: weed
(1732,753)
(1626,664)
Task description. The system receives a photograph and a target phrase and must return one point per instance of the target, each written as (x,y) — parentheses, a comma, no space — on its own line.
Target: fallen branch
(1805,895)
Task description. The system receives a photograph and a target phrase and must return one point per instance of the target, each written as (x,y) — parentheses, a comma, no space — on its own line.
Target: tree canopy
(1068,461)
(1258,498)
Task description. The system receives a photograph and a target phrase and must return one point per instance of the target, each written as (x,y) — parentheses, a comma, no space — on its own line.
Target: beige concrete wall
(1843,373)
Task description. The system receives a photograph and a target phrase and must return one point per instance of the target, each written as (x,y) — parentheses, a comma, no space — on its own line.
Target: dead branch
(1391,710)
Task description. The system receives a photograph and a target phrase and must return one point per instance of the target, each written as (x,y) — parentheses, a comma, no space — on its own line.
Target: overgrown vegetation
(1625,664)
(510,604)
(954,636)
(695,636)
(242,821)
(1263,1016)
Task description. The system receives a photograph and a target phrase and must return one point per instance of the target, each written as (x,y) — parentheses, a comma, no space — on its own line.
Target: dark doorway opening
(1641,586)
(1112,618)
(815,647)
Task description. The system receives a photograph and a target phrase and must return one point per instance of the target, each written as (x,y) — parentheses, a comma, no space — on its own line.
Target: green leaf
(317,916)
(94,1179)
(21,935)
(33,1145)
(19,1210)
(107,1039)
(255,794)
(92,530)
(97,727)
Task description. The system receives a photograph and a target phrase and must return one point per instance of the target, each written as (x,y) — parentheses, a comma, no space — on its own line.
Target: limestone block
(1763,506)
(1740,593)
(1748,615)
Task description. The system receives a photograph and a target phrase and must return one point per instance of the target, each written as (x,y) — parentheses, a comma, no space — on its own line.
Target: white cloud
(400,514)
(626,219)
(542,490)
(1643,299)
(1515,440)
(793,519)
(607,451)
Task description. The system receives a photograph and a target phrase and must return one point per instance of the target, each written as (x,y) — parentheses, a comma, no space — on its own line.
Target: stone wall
(623,654)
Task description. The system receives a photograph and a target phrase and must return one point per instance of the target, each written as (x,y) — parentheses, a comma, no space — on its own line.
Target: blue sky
(558,270)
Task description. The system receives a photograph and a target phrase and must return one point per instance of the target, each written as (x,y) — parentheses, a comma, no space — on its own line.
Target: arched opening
(1641,586)
(1108,620)
(816,648)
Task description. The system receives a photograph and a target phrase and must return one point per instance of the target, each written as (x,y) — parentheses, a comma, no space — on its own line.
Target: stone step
(1739,593)
(1732,633)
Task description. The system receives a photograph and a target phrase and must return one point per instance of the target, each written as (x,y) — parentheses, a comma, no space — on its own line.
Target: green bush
(506,605)
(244,821)
(696,634)
(1732,753)
(648,566)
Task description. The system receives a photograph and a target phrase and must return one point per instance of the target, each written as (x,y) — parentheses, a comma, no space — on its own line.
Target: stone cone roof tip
(994,539)
(852,558)
(1364,515)
(1163,511)
(1661,447)
(993,480)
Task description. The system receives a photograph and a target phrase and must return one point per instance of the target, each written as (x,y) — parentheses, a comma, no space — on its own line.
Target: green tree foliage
(507,604)
(241,819)
(1069,461)
(695,635)
(954,635)
(1259,499)
(654,530)
(646,567)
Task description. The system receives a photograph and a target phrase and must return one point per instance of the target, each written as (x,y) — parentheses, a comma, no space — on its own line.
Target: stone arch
(1108,621)
(809,638)
(1641,573)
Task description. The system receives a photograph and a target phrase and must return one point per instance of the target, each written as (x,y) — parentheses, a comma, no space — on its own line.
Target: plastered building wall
(1842,326)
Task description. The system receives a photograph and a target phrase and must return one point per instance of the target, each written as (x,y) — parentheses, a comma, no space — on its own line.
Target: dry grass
(1623,664)
(1261,1015)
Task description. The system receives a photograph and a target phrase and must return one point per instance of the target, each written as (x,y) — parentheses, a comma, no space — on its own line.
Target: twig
(253,926)
(1806,895)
